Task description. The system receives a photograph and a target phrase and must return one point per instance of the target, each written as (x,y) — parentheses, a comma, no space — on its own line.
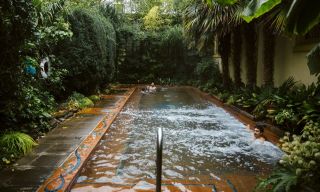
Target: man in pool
(149,89)
(258,131)
(152,88)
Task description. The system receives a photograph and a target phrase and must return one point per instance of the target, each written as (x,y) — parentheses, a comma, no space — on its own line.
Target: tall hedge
(89,55)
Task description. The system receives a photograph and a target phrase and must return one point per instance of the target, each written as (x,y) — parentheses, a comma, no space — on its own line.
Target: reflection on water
(203,147)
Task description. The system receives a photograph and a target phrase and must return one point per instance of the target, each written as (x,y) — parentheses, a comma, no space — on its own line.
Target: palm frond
(203,21)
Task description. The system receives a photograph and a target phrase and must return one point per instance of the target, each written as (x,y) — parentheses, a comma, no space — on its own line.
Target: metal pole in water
(159,159)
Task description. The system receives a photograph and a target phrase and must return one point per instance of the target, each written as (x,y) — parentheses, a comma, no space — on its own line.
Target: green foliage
(280,180)
(17,25)
(29,31)
(256,8)
(149,56)
(29,111)
(94,98)
(16,143)
(300,166)
(289,106)
(285,116)
(314,60)
(302,16)
(85,102)
(78,101)
(89,56)
(303,152)
(202,23)
(109,12)
(207,71)
(153,20)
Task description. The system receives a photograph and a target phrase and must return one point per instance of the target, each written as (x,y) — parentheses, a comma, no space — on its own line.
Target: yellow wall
(290,60)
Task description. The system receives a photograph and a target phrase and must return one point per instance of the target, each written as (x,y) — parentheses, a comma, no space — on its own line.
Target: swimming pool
(205,148)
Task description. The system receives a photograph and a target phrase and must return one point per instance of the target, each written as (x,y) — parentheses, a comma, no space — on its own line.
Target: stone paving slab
(28,173)
(64,175)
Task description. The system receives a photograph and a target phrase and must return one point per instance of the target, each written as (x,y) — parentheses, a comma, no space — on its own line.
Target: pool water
(205,148)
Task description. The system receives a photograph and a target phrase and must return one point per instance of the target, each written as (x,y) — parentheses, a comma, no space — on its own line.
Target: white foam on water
(199,139)
(208,132)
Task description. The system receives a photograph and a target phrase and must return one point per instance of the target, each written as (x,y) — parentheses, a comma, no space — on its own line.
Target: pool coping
(64,176)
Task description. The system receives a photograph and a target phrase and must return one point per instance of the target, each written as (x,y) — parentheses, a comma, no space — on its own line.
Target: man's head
(258,130)
(152,84)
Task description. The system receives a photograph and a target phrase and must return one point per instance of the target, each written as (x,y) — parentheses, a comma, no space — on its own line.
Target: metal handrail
(159,159)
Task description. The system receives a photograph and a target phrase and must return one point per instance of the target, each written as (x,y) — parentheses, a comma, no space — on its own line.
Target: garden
(60,56)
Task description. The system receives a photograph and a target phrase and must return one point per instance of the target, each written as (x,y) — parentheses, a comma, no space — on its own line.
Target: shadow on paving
(28,173)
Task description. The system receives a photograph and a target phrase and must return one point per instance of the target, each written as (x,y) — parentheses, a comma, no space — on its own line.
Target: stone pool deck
(54,163)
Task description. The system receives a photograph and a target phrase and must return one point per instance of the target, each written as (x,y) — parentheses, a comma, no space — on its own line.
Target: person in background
(149,89)
(152,88)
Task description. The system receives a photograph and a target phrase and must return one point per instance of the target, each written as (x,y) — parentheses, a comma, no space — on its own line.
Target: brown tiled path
(57,147)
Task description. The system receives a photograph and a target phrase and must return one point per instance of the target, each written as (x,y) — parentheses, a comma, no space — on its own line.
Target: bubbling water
(200,139)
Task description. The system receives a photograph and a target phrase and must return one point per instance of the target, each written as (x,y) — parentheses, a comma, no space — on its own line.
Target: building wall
(290,60)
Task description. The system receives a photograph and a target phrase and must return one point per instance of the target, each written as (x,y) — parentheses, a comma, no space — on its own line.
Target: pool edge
(63,177)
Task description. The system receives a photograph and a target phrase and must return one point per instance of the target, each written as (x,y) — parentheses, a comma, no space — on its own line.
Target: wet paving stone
(61,148)
(41,148)
(24,177)
(28,173)
(52,160)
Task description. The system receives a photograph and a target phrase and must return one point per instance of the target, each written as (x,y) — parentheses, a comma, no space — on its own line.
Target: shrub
(29,111)
(300,166)
(89,55)
(207,71)
(85,102)
(78,101)
(94,98)
(15,144)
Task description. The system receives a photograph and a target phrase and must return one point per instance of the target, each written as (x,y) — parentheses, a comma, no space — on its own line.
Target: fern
(280,180)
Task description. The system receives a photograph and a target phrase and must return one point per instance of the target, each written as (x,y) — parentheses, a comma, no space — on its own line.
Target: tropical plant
(236,54)
(298,17)
(250,36)
(300,165)
(280,180)
(202,23)
(268,56)
(285,116)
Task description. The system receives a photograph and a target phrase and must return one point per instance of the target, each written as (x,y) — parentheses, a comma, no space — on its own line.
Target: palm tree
(202,22)
(250,36)
(236,55)
(268,56)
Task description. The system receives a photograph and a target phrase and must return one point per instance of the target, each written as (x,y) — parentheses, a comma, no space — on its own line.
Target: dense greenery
(152,54)
(299,169)
(90,43)
(87,45)
(89,55)
(34,30)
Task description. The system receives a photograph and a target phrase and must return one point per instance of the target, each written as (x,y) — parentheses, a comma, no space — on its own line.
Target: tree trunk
(268,57)
(236,55)
(251,54)
(224,51)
